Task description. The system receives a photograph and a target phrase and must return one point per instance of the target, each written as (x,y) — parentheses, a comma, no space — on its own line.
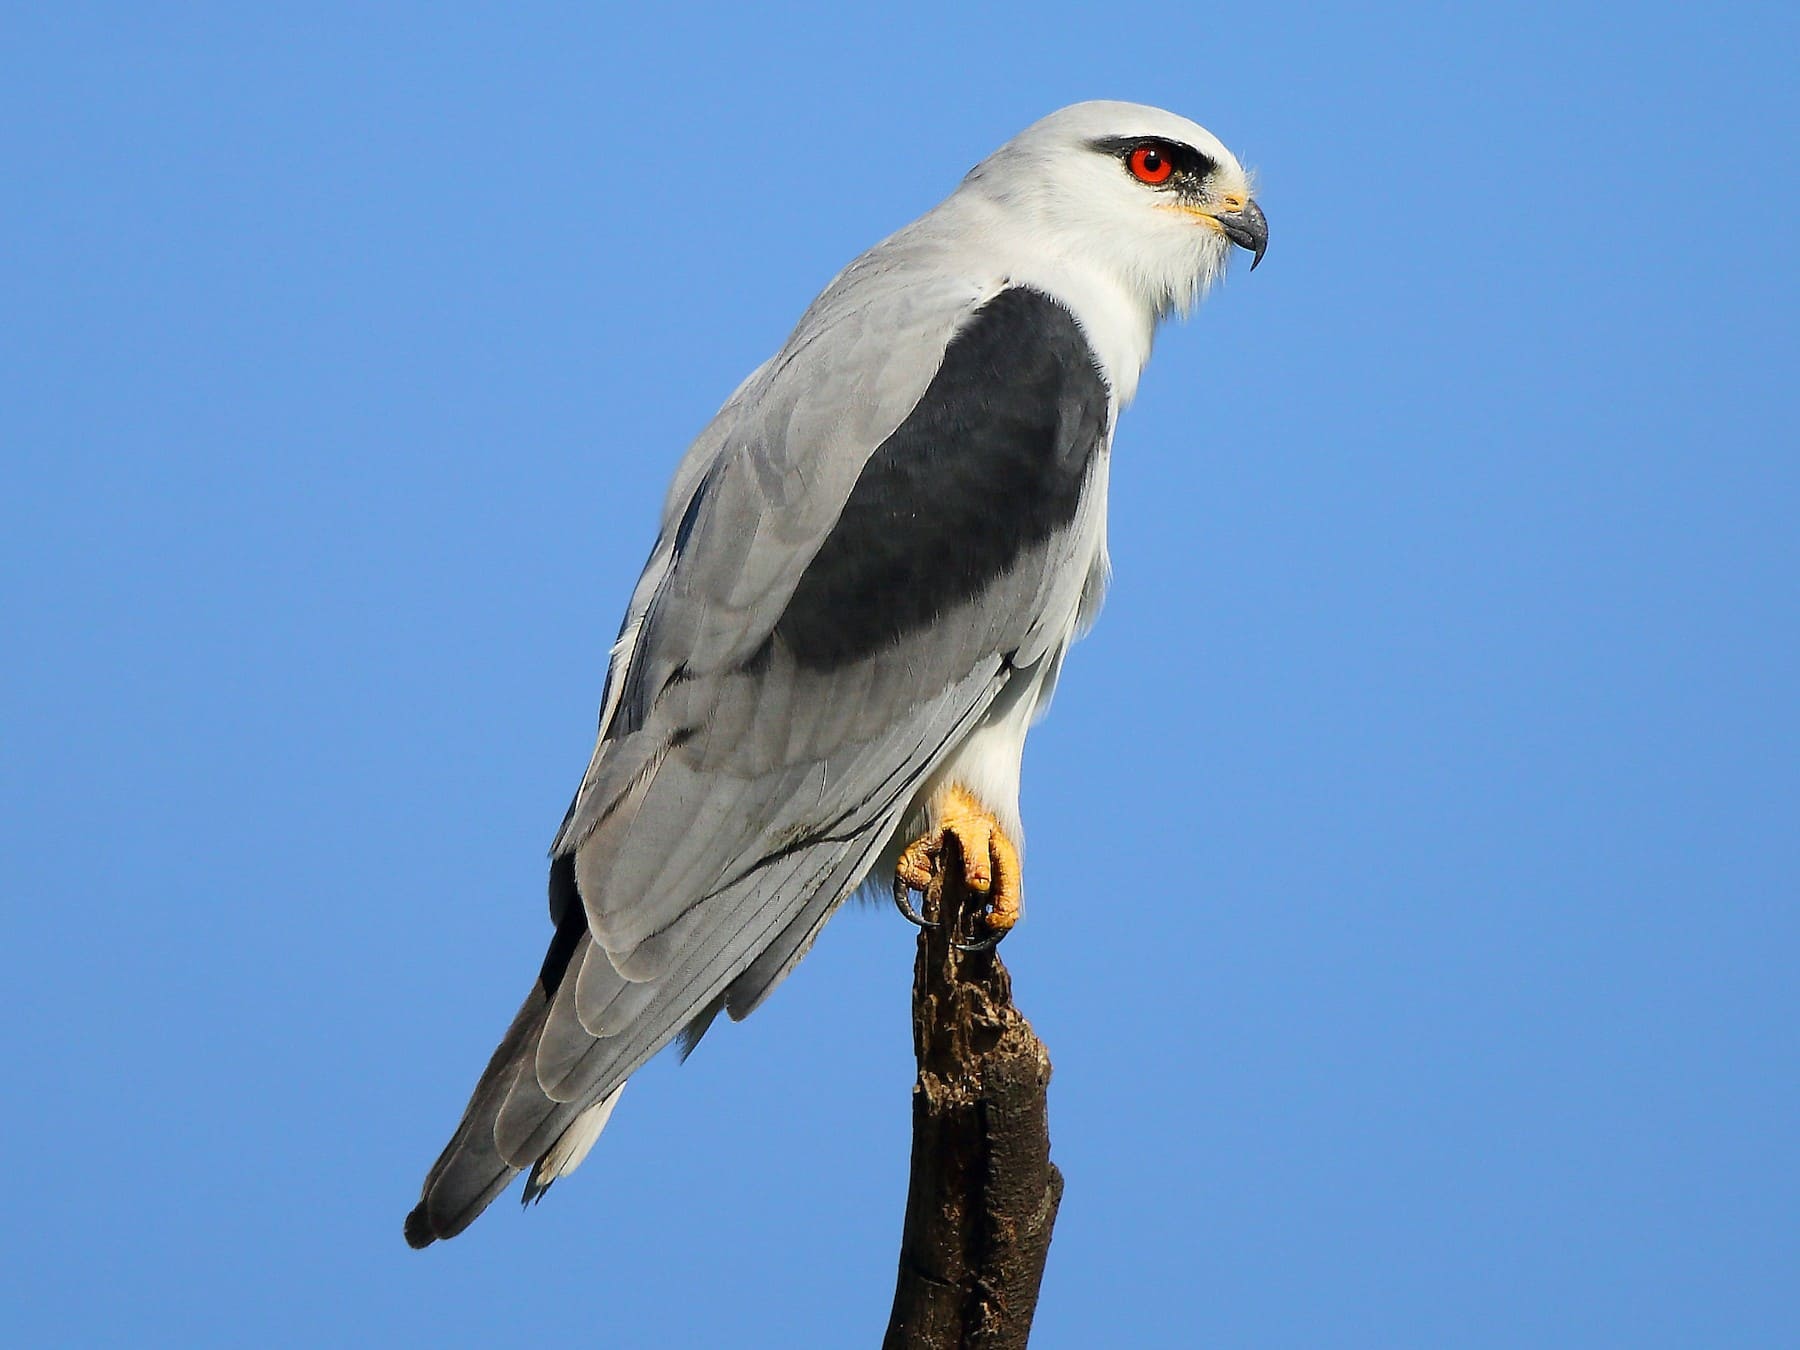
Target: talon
(990,866)
(903,903)
(913,873)
(986,944)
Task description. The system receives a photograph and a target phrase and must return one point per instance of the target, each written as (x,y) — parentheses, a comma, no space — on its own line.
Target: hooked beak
(1247,229)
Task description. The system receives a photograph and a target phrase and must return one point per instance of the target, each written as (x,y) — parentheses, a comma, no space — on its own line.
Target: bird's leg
(990,864)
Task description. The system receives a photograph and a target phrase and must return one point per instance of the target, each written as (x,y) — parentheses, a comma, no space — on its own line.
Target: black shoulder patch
(990,463)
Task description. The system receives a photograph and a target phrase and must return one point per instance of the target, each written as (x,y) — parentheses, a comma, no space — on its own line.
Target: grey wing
(868,545)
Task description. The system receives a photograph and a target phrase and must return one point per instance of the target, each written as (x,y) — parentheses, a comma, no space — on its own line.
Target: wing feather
(771,713)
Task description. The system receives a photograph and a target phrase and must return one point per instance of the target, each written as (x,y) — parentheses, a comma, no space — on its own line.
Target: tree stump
(983,1194)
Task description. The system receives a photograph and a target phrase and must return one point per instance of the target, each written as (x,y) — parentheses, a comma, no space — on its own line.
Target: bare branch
(984,1193)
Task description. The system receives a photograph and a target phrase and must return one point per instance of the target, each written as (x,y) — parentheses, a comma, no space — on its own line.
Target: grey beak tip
(1249,229)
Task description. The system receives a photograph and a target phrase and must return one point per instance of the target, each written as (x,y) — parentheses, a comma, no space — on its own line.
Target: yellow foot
(989,859)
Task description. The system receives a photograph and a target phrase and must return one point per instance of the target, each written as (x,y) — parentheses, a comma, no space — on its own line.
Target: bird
(870,566)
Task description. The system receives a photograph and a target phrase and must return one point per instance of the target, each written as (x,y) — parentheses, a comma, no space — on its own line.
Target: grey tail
(471,1172)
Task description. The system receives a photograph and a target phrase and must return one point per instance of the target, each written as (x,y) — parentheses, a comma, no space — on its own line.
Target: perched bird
(870,566)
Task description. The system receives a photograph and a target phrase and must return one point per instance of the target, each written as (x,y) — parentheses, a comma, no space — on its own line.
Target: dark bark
(984,1193)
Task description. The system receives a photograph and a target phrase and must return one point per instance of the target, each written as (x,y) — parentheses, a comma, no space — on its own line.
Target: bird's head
(1150,197)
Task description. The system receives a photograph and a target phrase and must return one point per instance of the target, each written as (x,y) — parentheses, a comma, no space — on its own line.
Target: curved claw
(986,944)
(903,903)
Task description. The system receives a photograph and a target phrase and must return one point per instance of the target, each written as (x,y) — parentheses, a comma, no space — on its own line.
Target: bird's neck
(1118,325)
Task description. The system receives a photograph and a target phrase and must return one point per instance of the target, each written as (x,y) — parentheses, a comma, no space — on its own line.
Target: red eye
(1150,165)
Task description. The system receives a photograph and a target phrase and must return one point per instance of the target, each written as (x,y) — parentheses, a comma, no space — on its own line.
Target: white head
(1149,196)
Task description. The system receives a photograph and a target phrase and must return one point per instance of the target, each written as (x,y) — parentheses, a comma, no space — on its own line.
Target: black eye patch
(1191,166)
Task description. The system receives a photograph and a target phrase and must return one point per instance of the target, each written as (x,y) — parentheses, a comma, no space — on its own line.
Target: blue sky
(1413,846)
